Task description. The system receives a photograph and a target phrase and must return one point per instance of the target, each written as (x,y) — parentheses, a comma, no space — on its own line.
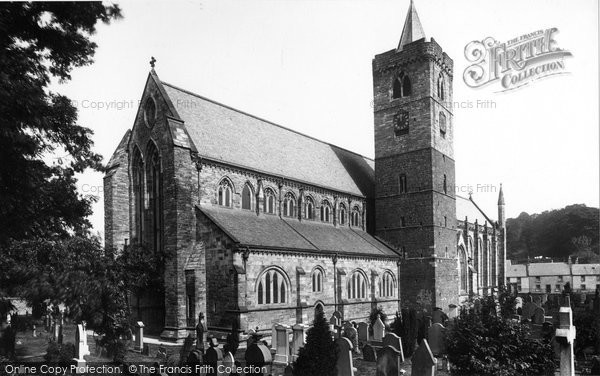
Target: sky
(307,66)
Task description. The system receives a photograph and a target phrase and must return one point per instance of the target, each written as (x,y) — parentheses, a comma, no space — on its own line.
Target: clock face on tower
(401,123)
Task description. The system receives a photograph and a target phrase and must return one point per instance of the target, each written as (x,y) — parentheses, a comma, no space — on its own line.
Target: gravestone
(529,310)
(139,336)
(438,316)
(274,337)
(363,332)
(378,331)
(33,332)
(188,346)
(352,334)
(565,336)
(452,311)
(282,350)
(539,316)
(423,361)
(298,339)
(388,361)
(369,354)
(391,339)
(214,360)
(343,364)
(436,339)
(229,363)
(289,370)
(86,348)
(146,349)
(194,358)
(79,349)
(259,356)
(200,332)
(518,302)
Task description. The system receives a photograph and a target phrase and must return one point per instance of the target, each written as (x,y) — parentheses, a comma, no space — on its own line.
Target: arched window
(150,112)
(386,285)
(342,214)
(463,271)
(309,208)
(401,86)
(445,183)
(440,87)
(442,124)
(289,205)
(272,287)
(225,193)
(325,211)
(493,257)
(355,217)
(357,286)
(402,185)
(317,280)
(154,196)
(138,191)
(247,197)
(269,201)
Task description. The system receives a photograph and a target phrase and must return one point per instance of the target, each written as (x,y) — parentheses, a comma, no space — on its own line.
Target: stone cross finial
(152,62)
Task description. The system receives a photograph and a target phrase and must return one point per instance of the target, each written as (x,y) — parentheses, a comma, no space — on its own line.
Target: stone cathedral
(263,225)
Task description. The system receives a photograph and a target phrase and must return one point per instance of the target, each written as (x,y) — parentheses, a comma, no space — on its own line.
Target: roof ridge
(262,119)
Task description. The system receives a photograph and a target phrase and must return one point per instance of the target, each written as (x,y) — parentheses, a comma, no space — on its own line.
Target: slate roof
(548,268)
(466,207)
(586,269)
(271,231)
(225,134)
(517,270)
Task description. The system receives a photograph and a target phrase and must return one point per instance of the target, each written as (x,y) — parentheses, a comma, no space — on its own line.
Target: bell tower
(415,205)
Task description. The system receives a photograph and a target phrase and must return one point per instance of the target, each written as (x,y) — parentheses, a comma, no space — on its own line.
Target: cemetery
(412,343)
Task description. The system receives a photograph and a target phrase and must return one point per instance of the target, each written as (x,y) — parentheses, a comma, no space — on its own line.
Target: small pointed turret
(501,196)
(413,30)
(501,209)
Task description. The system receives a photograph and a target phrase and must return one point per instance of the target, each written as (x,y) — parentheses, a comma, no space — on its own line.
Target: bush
(377,312)
(318,356)
(482,343)
(60,353)
(233,339)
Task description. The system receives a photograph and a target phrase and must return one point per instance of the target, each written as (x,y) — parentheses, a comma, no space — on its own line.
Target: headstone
(452,311)
(274,337)
(388,362)
(60,334)
(298,339)
(139,336)
(343,364)
(378,330)
(438,316)
(33,332)
(539,316)
(200,332)
(423,361)
(282,355)
(529,310)
(391,339)
(194,358)
(228,363)
(289,370)
(436,339)
(352,334)
(259,356)
(86,348)
(79,349)
(146,350)
(214,360)
(565,336)
(369,354)
(363,332)
(188,346)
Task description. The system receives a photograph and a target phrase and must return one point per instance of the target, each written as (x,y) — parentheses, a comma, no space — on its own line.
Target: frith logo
(515,63)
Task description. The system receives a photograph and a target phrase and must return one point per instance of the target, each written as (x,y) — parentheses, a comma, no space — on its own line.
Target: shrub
(482,343)
(377,312)
(60,353)
(318,356)
(233,339)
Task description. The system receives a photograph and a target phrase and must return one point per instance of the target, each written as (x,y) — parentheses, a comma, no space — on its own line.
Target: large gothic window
(225,193)
(357,285)
(342,214)
(386,285)
(289,205)
(463,270)
(247,197)
(325,211)
(269,201)
(401,87)
(272,287)
(137,164)
(155,196)
(317,280)
(309,208)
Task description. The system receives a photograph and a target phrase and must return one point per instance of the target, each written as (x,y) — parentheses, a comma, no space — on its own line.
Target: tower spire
(501,196)
(412,30)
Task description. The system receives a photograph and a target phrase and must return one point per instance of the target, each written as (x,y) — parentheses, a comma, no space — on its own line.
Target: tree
(41,41)
(318,356)
(377,312)
(483,343)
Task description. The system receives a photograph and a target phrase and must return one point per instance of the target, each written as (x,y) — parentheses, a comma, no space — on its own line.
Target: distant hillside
(558,234)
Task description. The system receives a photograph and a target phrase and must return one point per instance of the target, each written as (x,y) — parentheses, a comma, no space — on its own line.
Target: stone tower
(501,239)
(414,165)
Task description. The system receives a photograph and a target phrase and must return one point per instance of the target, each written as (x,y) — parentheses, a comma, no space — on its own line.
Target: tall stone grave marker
(343,364)
(423,361)
(565,336)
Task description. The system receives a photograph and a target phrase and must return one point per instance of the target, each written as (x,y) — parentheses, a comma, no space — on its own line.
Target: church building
(262,224)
